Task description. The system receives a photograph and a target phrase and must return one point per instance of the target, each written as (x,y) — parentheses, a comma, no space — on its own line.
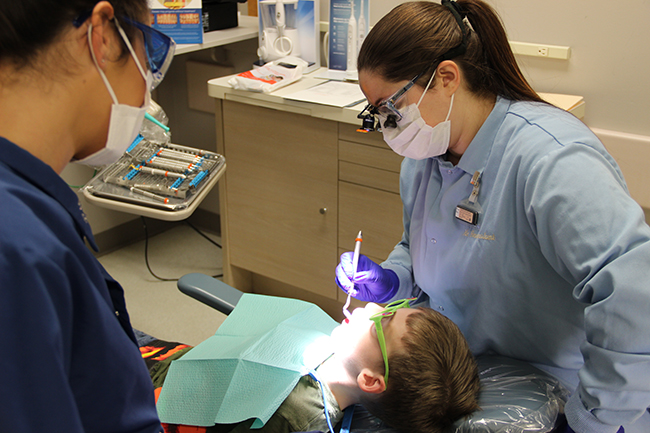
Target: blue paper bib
(251,364)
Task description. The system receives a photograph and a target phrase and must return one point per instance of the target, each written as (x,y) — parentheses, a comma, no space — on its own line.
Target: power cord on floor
(146,249)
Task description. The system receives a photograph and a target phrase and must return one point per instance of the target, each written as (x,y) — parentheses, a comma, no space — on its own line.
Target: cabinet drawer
(377,213)
(349,132)
(369,176)
(372,156)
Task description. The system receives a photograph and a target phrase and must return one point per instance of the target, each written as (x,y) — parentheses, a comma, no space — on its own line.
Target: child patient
(410,367)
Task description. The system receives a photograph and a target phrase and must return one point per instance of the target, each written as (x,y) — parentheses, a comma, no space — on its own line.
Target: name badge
(469,209)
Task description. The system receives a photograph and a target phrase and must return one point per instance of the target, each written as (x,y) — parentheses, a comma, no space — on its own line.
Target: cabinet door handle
(323,210)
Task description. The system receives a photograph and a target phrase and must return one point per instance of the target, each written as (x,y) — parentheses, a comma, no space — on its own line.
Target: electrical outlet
(541,50)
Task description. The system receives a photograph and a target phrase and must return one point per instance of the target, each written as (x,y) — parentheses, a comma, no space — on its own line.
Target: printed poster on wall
(179,19)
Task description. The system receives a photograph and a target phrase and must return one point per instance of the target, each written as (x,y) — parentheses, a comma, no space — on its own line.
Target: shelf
(247,29)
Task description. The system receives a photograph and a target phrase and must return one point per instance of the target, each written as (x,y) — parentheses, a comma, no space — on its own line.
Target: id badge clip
(469,209)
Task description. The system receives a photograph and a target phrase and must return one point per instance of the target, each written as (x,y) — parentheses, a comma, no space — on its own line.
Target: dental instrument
(200,152)
(149,194)
(179,156)
(160,172)
(355,264)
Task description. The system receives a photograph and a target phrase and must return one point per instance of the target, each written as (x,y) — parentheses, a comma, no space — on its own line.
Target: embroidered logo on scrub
(476,235)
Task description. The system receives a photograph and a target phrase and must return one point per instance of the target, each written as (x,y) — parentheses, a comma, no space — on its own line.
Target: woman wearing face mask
(75,78)
(517,222)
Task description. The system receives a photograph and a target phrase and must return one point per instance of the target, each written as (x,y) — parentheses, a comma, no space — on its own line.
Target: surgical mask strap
(101,72)
(451,104)
(426,89)
(130,47)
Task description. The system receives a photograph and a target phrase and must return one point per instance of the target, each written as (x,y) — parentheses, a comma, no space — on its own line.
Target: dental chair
(516,397)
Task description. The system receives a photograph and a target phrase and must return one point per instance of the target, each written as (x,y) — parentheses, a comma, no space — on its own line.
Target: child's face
(356,343)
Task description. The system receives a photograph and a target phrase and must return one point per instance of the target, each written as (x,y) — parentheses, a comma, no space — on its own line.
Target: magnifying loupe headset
(388,107)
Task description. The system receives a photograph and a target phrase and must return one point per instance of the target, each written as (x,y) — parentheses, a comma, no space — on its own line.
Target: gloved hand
(372,283)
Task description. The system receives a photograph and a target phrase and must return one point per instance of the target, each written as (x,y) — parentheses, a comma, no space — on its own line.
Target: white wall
(610,53)
(609,66)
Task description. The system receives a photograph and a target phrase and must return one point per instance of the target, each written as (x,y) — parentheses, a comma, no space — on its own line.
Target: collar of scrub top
(159,47)
(347,413)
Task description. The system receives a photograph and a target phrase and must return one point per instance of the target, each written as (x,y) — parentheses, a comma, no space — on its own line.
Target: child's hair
(433,381)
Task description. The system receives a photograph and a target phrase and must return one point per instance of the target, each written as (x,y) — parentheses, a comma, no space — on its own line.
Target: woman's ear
(101,33)
(371,382)
(449,74)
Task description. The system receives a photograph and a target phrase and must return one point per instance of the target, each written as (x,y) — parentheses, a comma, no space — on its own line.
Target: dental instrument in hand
(355,263)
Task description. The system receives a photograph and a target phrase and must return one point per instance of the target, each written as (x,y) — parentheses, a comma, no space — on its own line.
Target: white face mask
(413,138)
(125,121)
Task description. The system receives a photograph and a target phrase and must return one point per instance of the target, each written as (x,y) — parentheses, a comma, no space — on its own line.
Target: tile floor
(158,307)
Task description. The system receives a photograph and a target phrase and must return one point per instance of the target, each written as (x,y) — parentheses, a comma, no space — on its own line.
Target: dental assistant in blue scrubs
(518,224)
(75,79)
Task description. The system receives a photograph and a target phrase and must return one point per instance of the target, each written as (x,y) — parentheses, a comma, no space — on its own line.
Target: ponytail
(495,58)
(416,36)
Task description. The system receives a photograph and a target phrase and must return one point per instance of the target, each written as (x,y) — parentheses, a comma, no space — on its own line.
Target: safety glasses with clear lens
(159,48)
(389,106)
(387,312)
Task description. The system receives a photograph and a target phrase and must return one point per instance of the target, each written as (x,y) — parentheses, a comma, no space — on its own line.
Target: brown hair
(433,380)
(414,37)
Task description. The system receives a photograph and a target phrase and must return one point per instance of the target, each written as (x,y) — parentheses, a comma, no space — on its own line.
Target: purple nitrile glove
(372,283)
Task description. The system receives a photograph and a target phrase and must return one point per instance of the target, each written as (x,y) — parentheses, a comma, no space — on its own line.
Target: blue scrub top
(70,361)
(557,271)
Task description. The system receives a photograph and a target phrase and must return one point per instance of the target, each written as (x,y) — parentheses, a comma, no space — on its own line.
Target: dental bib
(249,367)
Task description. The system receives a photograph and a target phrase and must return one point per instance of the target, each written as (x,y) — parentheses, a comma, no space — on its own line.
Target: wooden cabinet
(296,191)
(282,195)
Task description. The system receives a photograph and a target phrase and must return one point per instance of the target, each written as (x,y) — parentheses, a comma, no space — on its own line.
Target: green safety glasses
(158,46)
(388,311)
